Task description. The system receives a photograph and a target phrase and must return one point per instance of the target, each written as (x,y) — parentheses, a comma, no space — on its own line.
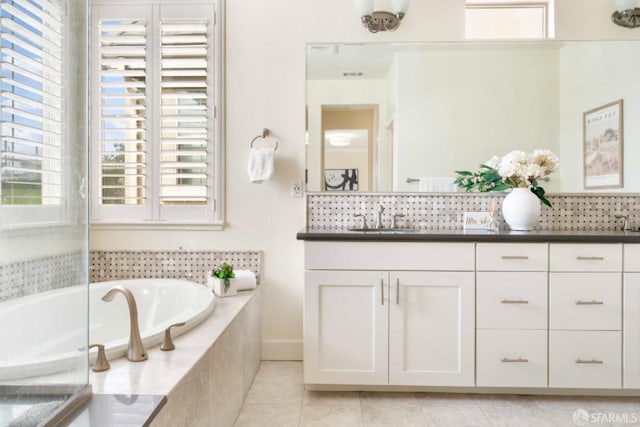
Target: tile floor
(278,399)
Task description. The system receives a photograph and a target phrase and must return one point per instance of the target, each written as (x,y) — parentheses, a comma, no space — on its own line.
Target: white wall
(609,79)
(266,88)
(446,100)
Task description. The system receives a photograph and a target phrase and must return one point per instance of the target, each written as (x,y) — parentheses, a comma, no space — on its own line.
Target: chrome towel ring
(265,133)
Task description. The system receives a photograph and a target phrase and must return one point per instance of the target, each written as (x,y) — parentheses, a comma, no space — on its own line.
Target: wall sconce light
(378,20)
(627,13)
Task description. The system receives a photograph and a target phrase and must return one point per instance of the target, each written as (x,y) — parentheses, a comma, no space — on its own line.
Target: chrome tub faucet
(135,352)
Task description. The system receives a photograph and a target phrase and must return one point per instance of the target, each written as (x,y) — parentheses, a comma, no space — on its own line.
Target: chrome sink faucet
(379,216)
(135,352)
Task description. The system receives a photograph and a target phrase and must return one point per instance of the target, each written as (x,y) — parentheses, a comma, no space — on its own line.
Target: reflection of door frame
(371,146)
(389,185)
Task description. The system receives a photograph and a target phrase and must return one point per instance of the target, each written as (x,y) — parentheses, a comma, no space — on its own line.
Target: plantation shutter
(184,120)
(123,111)
(154,131)
(32,79)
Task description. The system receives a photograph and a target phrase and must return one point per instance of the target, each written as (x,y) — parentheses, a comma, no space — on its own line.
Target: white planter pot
(521,209)
(218,287)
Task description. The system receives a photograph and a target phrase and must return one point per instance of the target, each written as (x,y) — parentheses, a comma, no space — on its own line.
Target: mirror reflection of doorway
(347,145)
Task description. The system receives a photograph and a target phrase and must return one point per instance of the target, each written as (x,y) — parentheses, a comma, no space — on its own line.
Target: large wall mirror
(382,117)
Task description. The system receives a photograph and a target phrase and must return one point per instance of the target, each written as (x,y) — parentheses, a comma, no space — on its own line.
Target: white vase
(218,287)
(521,209)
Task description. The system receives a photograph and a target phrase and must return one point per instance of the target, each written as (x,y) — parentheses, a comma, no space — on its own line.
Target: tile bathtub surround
(29,277)
(278,399)
(189,265)
(569,212)
(208,375)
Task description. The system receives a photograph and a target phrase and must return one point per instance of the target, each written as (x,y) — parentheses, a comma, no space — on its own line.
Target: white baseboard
(282,350)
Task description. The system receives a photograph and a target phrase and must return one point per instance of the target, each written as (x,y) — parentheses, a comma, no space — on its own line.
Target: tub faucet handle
(167,342)
(101,361)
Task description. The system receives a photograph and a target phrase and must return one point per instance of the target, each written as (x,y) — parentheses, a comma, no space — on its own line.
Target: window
(32,77)
(507,20)
(155,134)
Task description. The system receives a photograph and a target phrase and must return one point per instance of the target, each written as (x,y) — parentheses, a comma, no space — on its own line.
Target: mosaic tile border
(569,212)
(189,265)
(60,271)
(29,277)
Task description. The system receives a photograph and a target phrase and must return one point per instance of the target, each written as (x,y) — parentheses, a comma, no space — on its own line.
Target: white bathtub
(48,340)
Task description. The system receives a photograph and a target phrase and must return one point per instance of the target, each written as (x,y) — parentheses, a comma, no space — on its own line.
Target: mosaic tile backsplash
(30,277)
(569,212)
(33,276)
(189,265)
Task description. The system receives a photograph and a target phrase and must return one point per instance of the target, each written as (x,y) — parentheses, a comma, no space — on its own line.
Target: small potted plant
(223,282)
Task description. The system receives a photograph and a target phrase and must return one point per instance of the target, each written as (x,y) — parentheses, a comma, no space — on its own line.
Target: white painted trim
(281,349)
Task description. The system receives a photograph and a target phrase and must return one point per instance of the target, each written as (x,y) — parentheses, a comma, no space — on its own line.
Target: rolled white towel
(245,279)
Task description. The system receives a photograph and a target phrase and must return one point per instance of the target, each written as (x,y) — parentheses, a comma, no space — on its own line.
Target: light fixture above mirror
(627,13)
(380,20)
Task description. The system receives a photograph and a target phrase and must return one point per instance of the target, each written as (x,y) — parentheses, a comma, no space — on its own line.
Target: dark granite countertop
(471,236)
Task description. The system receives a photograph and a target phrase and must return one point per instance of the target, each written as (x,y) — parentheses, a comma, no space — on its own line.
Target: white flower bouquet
(513,170)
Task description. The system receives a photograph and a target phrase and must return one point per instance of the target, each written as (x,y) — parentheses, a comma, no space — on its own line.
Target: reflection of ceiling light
(339,141)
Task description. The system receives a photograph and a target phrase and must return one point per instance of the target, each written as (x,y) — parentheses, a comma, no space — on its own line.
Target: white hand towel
(437,185)
(261,164)
(245,279)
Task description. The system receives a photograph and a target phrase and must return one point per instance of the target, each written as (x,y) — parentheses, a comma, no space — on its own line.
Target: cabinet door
(431,328)
(631,335)
(346,315)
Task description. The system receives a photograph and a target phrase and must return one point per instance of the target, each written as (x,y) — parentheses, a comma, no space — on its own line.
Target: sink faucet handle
(379,216)
(394,223)
(101,361)
(626,219)
(167,342)
(363,223)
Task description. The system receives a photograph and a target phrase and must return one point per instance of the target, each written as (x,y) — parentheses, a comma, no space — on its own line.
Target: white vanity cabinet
(511,336)
(631,320)
(585,315)
(378,313)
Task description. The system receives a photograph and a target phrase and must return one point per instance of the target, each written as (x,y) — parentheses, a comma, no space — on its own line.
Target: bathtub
(52,338)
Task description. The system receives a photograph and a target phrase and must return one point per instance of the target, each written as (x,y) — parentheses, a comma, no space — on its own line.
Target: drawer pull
(589,302)
(397,291)
(589,362)
(381,291)
(514,257)
(590,258)
(518,360)
(514,301)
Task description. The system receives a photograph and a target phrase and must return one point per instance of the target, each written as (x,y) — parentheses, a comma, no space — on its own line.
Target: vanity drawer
(585,359)
(512,256)
(511,300)
(632,258)
(389,256)
(511,358)
(591,257)
(585,301)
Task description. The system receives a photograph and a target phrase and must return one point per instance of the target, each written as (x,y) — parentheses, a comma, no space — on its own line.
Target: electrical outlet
(296,188)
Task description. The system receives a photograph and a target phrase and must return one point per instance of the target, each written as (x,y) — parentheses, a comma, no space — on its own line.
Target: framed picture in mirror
(341,179)
(602,146)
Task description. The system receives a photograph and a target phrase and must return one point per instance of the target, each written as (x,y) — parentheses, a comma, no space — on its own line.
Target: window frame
(153,215)
(544,5)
